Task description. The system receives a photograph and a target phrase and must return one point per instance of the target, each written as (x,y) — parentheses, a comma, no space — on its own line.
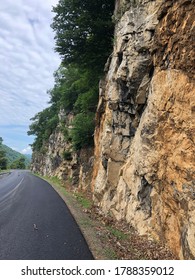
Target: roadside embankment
(106,238)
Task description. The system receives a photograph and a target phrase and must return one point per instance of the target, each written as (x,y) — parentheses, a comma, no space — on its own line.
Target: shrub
(83,130)
(67,155)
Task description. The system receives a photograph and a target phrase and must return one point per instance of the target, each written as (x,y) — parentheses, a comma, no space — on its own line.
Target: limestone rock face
(144,164)
(57,159)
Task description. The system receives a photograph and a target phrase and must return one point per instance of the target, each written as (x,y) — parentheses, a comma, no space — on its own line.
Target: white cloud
(26,151)
(27,59)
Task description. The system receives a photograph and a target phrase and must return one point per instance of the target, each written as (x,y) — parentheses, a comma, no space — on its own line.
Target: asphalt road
(35,223)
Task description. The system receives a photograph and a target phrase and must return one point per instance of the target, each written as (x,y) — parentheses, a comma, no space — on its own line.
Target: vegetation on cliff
(83,35)
(3,159)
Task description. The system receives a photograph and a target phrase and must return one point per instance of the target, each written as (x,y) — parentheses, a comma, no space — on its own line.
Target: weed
(110,254)
(86,203)
(86,222)
(117,233)
(4,171)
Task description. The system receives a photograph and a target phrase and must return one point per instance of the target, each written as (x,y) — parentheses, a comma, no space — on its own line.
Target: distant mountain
(28,156)
(12,155)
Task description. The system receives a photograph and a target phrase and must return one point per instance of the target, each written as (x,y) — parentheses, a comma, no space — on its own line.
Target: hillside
(12,155)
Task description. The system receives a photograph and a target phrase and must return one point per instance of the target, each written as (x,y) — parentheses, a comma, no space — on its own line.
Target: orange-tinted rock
(144,168)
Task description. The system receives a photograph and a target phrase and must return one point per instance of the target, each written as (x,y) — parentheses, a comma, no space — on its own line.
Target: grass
(111,254)
(76,202)
(79,201)
(86,222)
(117,233)
(4,171)
(84,202)
(55,181)
(108,241)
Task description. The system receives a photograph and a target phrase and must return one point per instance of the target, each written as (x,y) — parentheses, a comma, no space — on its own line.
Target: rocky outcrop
(144,158)
(58,159)
(144,165)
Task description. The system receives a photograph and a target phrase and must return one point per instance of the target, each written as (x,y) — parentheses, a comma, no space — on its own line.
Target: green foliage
(83,102)
(67,155)
(68,81)
(66,133)
(3,159)
(12,155)
(42,126)
(18,164)
(117,233)
(111,254)
(86,203)
(83,130)
(75,89)
(83,31)
(87,101)
(11,158)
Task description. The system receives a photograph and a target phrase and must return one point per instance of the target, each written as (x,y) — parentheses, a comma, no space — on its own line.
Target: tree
(68,85)
(3,159)
(83,34)
(74,89)
(83,130)
(43,125)
(18,163)
(84,31)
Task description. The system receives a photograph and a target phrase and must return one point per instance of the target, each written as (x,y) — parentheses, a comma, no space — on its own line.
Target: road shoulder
(107,238)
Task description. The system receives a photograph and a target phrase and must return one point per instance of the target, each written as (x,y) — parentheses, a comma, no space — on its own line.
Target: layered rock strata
(144,165)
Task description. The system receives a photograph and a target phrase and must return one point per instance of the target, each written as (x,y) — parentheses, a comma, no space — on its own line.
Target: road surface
(35,223)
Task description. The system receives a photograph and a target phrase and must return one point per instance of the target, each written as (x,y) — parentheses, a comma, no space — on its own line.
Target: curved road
(35,223)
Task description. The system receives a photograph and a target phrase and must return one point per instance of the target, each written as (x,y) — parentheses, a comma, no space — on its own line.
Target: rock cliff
(144,157)
(58,159)
(144,167)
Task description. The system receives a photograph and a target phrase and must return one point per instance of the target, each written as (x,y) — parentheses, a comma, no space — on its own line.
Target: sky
(27,64)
